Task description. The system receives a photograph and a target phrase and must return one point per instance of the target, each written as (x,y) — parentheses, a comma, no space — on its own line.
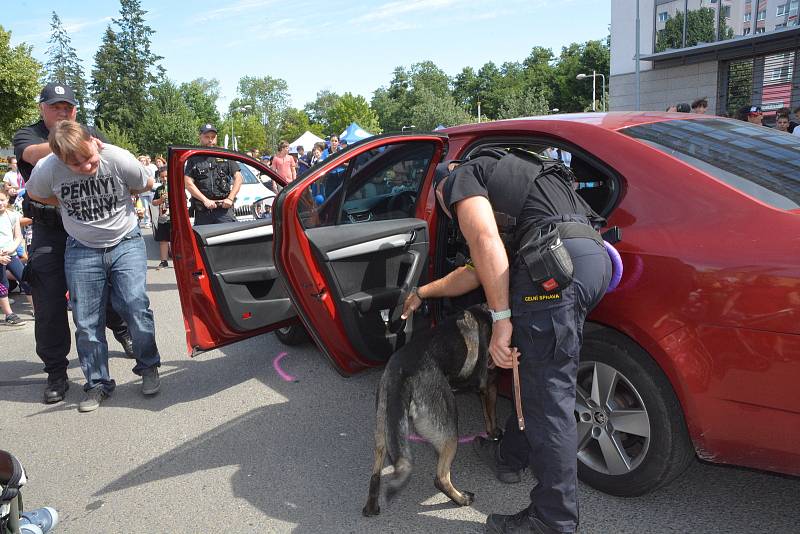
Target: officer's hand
(411,305)
(227,203)
(210,204)
(500,348)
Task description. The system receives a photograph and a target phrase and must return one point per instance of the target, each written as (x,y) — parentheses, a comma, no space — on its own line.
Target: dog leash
(517,397)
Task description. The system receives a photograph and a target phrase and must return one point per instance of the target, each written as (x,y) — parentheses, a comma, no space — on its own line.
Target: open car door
(228,284)
(351,238)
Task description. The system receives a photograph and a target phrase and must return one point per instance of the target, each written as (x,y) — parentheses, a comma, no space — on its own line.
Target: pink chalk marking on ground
(276,364)
(462,439)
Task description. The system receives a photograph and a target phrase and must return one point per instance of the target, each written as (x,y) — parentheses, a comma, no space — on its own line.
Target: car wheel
(292,335)
(632,437)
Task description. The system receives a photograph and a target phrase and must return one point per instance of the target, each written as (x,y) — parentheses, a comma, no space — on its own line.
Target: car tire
(635,439)
(292,335)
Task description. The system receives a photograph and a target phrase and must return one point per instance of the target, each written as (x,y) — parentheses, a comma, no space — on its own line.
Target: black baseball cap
(207,128)
(55,92)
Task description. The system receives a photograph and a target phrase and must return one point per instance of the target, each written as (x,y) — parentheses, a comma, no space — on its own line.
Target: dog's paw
(469,498)
(371,510)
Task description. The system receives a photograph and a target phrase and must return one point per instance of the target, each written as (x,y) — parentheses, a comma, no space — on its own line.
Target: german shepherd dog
(416,387)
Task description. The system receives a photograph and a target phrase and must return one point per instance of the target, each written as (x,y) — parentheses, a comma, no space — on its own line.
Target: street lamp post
(594,76)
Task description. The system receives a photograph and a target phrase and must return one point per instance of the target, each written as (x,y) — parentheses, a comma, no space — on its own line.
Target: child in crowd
(163,229)
(10,241)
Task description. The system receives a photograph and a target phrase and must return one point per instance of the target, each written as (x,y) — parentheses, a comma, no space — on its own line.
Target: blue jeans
(91,274)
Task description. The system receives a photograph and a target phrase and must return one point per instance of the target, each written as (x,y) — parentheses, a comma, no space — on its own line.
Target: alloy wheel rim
(613,424)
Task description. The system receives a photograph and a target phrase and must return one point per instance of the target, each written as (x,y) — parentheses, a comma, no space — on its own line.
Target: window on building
(793,5)
(760,30)
(748,16)
(762,15)
(746,31)
(780,73)
(726,11)
(779,26)
(663,16)
(782,10)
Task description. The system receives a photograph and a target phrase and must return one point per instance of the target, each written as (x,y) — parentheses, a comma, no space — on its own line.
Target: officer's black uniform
(45,272)
(547,326)
(214,178)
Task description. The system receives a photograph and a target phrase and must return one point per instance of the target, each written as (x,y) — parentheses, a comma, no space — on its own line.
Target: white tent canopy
(307,140)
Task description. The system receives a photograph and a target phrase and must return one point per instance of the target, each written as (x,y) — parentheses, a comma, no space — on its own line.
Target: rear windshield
(760,162)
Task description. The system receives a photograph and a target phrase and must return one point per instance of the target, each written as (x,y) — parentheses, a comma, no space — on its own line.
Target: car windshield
(760,162)
(247,175)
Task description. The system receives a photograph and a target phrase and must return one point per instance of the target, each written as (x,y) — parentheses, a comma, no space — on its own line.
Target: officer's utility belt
(199,206)
(544,254)
(45,215)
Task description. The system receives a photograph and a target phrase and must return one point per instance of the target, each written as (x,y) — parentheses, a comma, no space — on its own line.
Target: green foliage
(269,98)
(167,120)
(64,65)
(317,110)
(432,110)
(125,69)
(19,86)
(352,108)
(119,137)
(248,129)
(524,104)
(201,96)
(295,124)
(570,94)
(699,29)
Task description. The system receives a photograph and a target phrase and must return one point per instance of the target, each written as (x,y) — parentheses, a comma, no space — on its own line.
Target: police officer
(544,314)
(46,259)
(213,183)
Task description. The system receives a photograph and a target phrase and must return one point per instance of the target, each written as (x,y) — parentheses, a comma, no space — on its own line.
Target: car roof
(615,120)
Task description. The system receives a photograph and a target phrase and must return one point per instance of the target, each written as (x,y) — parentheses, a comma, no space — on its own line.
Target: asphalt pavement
(229,445)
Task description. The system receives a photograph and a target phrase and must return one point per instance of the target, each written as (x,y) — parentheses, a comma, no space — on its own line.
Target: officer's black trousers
(51,327)
(548,334)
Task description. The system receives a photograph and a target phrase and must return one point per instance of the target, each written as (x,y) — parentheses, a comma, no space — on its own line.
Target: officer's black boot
(519,523)
(56,389)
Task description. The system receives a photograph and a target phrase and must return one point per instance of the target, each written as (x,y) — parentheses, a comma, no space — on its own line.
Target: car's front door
(351,239)
(228,284)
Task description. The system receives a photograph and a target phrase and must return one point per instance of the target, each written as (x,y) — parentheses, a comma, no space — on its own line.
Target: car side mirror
(262,208)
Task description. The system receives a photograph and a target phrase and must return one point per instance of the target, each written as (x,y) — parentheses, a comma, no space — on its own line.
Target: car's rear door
(351,238)
(228,284)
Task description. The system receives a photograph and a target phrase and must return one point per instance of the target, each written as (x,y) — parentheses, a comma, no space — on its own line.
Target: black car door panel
(245,282)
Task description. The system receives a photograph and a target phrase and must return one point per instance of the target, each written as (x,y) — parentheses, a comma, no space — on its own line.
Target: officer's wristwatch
(500,315)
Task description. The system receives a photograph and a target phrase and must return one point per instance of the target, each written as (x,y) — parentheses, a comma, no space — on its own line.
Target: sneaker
(127,344)
(56,390)
(163,265)
(151,383)
(44,518)
(518,523)
(487,450)
(93,398)
(12,319)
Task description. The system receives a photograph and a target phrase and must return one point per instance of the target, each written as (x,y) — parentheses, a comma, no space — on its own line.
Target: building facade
(731,52)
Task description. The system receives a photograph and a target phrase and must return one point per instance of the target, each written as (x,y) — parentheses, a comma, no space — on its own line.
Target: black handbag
(547,259)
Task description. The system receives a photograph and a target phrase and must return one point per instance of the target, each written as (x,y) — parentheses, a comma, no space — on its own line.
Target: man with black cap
(213,182)
(46,262)
(543,305)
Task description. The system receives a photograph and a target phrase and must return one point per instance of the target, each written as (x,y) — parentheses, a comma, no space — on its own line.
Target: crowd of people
(786,119)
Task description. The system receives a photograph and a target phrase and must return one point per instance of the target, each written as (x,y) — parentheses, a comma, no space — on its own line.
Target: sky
(337,46)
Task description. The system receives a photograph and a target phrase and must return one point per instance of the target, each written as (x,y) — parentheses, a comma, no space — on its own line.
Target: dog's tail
(372,507)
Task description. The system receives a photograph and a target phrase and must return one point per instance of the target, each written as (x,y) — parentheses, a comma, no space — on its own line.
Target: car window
(377,185)
(247,175)
(760,162)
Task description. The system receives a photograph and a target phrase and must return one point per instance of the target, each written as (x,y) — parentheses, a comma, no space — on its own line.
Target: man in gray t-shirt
(105,253)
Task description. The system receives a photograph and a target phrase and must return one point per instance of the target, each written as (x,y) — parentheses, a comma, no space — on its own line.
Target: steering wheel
(403,201)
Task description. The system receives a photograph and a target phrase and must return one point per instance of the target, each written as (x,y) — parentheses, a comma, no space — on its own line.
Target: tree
(118,137)
(524,104)
(125,69)
(352,108)
(201,96)
(19,86)
(317,110)
(571,94)
(269,98)
(465,90)
(296,122)
(432,110)
(167,120)
(248,129)
(63,65)
(699,29)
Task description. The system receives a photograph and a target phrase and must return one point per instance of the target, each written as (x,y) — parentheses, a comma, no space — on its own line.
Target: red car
(697,351)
